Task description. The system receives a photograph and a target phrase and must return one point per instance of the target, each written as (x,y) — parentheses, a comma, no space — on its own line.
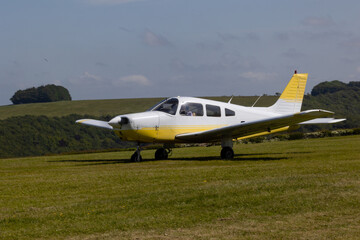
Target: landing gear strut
(162,153)
(136,157)
(227,151)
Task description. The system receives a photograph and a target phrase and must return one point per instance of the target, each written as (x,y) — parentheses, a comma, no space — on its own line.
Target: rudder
(290,100)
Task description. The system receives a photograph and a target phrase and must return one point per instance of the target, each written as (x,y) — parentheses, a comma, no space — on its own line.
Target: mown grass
(305,189)
(111,107)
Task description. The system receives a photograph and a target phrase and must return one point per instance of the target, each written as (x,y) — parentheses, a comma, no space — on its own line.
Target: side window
(229,113)
(213,111)
(192,109)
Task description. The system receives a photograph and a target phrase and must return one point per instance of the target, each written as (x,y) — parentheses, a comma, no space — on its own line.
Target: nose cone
(115,122)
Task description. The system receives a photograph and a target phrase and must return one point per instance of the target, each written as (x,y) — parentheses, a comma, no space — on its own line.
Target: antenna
(231,98)
(256,101)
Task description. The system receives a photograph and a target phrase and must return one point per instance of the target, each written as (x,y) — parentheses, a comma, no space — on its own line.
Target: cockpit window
(169,106)
(191,109)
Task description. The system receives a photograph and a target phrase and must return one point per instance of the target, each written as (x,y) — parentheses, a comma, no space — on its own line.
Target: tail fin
(291,99)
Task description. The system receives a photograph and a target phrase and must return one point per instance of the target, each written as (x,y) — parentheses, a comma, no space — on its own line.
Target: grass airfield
(305,189)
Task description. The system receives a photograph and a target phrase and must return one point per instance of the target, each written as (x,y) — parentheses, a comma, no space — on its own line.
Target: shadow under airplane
(238,157)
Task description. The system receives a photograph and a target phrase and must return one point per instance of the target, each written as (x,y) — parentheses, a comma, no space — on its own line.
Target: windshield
(169,106)
(157,104)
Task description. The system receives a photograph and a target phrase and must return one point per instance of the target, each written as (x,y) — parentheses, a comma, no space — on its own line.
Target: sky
(110,49)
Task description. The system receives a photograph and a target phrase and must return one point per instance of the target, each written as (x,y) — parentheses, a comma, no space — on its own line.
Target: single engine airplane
(197,120)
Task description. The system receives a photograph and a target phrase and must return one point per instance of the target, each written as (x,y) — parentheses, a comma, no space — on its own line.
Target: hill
(341,98)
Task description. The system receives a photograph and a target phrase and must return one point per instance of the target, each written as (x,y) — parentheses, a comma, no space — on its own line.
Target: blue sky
(104,49)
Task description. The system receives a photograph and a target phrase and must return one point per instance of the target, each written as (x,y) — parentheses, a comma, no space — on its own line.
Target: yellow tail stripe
(294,91)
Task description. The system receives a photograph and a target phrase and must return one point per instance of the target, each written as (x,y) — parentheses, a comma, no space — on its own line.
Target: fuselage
(180,115)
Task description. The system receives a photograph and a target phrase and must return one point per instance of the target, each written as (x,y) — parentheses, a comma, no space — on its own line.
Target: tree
(48,93)
(328,87)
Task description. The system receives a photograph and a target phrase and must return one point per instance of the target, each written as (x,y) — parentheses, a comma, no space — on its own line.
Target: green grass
(111,107)
(306,189)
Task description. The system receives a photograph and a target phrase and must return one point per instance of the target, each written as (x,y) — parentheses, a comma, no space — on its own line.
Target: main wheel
(136,157)
(161,154)
(227,153)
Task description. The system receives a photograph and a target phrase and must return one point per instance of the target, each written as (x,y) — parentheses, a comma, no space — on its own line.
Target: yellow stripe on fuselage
(168,133)
(165,133)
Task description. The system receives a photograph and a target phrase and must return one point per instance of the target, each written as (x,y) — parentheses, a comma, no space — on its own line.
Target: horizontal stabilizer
(95,123)
(323,121)
(254,127)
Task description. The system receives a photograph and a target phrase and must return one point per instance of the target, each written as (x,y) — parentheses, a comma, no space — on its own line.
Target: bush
(296,136)
(256,139)
(356,131)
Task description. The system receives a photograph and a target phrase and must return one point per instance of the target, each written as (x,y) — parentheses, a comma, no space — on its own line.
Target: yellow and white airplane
(196,120)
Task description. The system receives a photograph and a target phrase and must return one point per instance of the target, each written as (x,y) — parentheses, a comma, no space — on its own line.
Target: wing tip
(81,120)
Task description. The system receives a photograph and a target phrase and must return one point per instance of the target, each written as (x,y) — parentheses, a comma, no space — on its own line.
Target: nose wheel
(136,157)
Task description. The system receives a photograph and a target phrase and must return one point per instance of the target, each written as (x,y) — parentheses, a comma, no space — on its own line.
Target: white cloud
(92,77)
(133,79)
(259,76)
(358,69)
(153,39)
(86,78)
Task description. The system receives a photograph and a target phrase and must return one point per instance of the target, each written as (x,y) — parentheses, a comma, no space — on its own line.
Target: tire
(227,153)
(161,154)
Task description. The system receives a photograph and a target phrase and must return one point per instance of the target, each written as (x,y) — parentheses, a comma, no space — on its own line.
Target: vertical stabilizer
(291,99)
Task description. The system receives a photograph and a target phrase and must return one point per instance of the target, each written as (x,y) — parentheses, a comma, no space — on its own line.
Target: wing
(95,123)
(249,128)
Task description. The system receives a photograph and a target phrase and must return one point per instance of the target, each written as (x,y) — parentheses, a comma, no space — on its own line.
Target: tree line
(41,135)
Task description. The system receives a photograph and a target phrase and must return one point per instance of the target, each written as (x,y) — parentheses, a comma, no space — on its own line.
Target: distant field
(107,107)
(306,189)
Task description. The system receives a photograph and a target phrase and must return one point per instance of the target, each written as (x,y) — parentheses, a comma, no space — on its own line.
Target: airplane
(196,120)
